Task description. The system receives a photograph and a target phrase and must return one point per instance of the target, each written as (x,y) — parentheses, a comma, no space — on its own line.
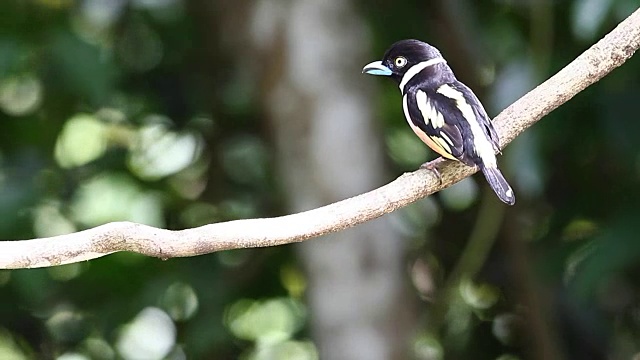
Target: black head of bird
(402,56)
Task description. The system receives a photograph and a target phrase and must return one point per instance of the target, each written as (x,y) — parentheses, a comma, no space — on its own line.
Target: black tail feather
(499,185)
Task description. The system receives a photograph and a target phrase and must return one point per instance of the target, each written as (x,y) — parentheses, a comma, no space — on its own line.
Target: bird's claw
(433,166)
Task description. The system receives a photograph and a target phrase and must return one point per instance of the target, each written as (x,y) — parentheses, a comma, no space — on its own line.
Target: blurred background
(179,113)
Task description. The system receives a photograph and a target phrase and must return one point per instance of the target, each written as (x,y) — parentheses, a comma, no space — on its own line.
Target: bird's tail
(499,185)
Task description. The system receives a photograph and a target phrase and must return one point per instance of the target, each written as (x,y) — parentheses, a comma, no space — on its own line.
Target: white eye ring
(400,61)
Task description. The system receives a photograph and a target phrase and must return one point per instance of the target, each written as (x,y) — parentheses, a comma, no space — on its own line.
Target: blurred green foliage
(130,110)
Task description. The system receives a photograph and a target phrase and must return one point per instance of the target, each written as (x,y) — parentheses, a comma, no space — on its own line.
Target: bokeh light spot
(48,220)
(98,348)
(9,349)
(150,336)
(158,152)
(268,321)
(290,350)
(479,296)
(20,95)
(427,347)
(115,197)
(82,140)
(67,326)
(507,327)
(180,301)
(293,280)
(579,229)
(72,356)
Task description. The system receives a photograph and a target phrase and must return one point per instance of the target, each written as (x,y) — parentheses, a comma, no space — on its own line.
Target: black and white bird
(444,113)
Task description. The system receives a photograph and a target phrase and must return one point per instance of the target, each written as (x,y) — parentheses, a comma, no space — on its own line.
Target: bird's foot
(433,166)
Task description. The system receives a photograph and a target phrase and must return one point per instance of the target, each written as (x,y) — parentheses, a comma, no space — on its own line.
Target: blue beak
(376,68)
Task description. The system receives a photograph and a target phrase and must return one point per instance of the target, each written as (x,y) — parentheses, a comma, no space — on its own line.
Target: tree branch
(610,52)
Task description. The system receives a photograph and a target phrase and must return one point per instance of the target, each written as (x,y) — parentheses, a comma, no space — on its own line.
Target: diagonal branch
(607,54)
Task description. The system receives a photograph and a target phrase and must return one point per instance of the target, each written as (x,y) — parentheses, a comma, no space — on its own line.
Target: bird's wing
(433,122)
(480,113)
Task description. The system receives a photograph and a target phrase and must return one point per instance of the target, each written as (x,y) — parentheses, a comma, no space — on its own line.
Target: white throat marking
(415,70)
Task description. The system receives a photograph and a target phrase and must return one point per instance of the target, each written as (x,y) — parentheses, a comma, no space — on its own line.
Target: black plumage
(442,111)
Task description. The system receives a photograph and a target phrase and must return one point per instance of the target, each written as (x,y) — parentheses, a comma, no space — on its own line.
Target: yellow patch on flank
(443,144)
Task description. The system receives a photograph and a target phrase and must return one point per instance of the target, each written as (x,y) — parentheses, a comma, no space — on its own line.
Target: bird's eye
(400,61)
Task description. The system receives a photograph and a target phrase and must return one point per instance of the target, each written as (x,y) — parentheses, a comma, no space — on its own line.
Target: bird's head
(401,57)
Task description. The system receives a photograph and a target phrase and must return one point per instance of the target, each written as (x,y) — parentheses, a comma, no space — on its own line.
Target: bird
(442,111)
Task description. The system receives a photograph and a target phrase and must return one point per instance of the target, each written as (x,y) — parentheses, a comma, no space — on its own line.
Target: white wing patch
(446,137)
(483,147)
(429,112)
(438,118)
(423,106)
